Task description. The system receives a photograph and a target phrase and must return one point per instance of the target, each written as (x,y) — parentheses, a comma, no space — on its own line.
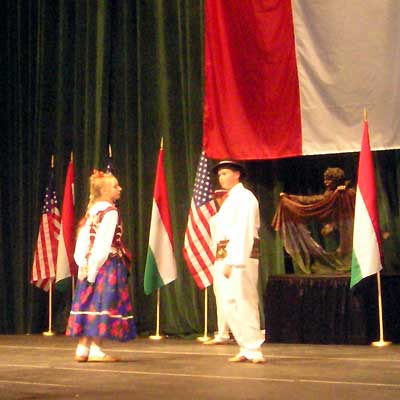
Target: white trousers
(219,285)
(239,302)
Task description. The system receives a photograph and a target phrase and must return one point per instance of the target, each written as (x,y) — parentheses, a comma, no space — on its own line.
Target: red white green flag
(367,250)
(160,262)
(65,261)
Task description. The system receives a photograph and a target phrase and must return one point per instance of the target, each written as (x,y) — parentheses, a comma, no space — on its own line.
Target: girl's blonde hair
(98,180)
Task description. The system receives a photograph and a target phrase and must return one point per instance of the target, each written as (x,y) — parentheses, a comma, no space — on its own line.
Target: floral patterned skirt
(103,309)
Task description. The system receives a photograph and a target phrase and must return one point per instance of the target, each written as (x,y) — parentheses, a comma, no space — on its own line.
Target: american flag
(197,244)
(45,259)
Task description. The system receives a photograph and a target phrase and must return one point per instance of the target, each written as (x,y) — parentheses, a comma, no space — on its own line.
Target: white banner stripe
(348,58)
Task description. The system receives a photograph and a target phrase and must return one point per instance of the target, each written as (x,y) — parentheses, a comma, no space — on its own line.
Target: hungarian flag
(367,251)
(66,266)
(289,78)
(45,258)
(160,262)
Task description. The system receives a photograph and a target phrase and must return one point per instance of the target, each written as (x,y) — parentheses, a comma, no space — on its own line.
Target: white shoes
(216,341)
(241,358)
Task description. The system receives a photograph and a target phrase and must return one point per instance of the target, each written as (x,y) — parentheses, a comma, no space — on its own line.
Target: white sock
(82,350)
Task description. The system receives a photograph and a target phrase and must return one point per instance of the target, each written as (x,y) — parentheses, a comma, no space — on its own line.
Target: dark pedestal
(323,309)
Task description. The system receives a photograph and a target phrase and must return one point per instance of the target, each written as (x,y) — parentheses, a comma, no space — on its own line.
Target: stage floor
(39,367)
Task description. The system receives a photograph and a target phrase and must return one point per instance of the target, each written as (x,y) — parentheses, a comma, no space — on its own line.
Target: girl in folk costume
(101,307)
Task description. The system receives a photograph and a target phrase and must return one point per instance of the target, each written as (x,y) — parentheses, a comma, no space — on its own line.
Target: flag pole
(157,335)
(160,266)
(73,276)
(205,337)
(73,287)
(50,332)
(381,342)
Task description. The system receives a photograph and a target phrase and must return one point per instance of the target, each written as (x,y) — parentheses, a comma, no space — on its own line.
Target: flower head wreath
(97,173)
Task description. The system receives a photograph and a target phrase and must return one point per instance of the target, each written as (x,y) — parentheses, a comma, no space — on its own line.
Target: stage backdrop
(289,78)
(78,75)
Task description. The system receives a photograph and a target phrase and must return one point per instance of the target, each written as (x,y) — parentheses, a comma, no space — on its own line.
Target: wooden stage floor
(39,367)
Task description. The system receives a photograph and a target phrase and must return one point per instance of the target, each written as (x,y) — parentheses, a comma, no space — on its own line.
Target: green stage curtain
(80,75)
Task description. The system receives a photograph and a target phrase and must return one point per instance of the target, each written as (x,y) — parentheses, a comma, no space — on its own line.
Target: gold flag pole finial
(109,151)
(162,142)
(52,161)
(71,157)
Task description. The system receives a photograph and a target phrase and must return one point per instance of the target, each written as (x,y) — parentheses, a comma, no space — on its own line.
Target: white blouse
(89,266)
